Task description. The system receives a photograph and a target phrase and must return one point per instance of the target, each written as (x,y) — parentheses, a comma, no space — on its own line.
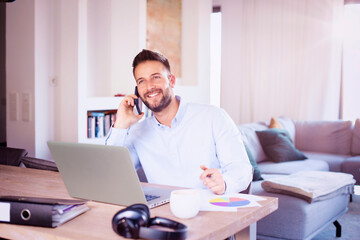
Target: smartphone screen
(138,102)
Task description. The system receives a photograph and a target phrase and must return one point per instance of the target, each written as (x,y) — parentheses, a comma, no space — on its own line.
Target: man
(182,144)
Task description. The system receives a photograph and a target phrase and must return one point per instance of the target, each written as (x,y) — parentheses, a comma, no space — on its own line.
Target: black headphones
(135,222)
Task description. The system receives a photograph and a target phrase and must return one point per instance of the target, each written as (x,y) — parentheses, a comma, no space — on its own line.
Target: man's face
(154,84)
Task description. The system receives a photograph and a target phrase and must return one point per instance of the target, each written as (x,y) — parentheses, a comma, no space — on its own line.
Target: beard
(164,101)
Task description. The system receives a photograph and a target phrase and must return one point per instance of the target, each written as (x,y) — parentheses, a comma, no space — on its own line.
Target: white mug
(185,203)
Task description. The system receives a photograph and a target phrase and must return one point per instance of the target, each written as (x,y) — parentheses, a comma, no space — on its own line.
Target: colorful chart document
(227,203)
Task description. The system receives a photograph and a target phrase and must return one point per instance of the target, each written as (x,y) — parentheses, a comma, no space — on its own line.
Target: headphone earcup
(127,222)
(144,211)
(127,228)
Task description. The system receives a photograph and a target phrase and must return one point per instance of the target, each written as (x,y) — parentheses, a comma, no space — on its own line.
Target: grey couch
(328,146)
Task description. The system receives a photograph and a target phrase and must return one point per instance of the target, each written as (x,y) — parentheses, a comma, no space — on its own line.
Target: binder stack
(43,212)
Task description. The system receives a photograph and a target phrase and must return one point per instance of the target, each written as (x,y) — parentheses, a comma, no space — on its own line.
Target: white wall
(128,38)
(2,75)
(29,70)
(66,57)
(99,50)
(20,72)
(44,74)
(231,38)
(194,85)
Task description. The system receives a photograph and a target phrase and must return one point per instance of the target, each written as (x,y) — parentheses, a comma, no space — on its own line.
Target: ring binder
(43,212)
(25,214)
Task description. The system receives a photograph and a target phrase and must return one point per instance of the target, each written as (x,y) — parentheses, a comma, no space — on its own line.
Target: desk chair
(38,163)
(11,156)
(247,190)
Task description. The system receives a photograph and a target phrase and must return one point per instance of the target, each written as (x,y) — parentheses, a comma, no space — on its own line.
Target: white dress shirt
(199,135)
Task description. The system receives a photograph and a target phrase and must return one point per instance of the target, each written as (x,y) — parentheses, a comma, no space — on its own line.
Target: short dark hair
(148,55)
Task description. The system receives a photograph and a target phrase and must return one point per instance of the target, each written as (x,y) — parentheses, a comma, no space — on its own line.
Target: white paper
(228,202)
(4,212)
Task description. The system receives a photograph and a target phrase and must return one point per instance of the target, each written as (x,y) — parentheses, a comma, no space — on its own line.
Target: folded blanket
(311,185)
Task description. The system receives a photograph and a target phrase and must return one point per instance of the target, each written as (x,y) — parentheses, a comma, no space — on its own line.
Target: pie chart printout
(229,202)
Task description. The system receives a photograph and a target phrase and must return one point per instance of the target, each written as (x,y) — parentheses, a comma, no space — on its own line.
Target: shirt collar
(178,117)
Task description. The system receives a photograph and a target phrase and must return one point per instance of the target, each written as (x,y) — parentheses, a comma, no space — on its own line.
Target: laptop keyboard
(150,197)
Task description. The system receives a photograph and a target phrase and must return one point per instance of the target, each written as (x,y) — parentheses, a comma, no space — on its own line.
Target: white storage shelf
(95,104)
(103,103)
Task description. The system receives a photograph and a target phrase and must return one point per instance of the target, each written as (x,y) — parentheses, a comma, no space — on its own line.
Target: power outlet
(26,110)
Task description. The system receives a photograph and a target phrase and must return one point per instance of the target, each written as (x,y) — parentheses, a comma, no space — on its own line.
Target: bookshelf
(105,57)
(99,123)
(104,105)
(95,47)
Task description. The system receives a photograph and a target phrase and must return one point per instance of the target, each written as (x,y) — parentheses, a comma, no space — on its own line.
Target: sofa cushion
(289,125)
(352,165)
(257,173)
(355,147)
(269,167)
(251,140)
(324,136)
(278,146)
(334,160)
(285,123)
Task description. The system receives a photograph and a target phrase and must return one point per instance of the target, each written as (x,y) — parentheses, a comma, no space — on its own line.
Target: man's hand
(213,179)
(125,116)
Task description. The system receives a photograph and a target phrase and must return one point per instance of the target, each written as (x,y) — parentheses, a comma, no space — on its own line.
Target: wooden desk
(96,223)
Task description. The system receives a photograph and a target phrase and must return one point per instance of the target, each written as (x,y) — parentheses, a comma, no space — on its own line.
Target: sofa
(316,146)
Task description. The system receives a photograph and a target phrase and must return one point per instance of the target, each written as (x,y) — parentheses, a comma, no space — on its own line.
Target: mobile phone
(137,102)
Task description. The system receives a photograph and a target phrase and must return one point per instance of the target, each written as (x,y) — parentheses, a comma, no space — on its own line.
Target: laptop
(103,173)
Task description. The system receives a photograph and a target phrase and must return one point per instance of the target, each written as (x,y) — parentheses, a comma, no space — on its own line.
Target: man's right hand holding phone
(125,116)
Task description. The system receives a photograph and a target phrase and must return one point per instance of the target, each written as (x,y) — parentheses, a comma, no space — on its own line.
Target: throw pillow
(278,146)
(257,174)
(274,123)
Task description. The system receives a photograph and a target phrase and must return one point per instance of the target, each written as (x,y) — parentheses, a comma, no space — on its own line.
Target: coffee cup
(185,203)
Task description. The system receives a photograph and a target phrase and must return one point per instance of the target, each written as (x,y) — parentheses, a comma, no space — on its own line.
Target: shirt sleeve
(235,165)
(116,137)
(121,137)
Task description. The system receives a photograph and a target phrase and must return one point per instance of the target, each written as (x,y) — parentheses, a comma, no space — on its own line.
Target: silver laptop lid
(98,172)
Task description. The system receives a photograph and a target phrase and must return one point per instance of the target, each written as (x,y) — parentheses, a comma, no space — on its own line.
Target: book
(43,212)
(91,127)
(99,123)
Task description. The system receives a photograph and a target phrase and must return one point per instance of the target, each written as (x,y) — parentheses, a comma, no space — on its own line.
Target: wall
(231,40)
(66,69)
(2,74)
(194,85)
(29,71)
(127,39)
(44,74)
(20,72)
